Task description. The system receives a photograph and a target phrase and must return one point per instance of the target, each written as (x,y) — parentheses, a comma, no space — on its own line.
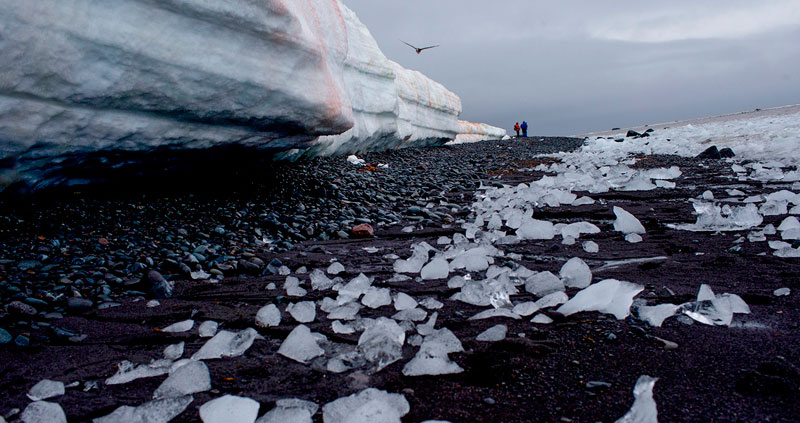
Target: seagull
(418,50)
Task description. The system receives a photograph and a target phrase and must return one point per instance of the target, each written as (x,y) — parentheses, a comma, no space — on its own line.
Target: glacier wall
(469,132)
(82,76)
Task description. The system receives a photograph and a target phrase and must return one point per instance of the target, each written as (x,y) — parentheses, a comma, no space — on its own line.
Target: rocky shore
(80,271)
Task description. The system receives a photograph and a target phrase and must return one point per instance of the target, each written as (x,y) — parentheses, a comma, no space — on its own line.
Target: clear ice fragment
(208,329)
(335,268)
(300,345)
(376,297)
(432,357)
(183,326)
(45,389)
(576,273)
(608,296)
(543,283)
(368,406)
(644,406)
(493,334)
(268,316)
(156,411)
(438,268)
(229,409)
(190,378)
(226,344)
(403,301)
(43,412)
(303,312)
(626,222)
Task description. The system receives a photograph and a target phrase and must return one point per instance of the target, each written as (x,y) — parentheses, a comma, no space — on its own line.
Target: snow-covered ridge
(81,76)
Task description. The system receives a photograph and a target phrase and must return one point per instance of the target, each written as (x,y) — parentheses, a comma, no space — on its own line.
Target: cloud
(699,23)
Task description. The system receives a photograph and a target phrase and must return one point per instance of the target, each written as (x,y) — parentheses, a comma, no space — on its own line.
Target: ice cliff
(80,77)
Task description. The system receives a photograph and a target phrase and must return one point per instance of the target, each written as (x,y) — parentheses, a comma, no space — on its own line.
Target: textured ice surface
(382,343)
(493,334)
(655,315)
(431,303)
(644,406)
(403,301)
(290,411)
(626,222)
(43,412)
(174,351)
(347,311)
(414,263)
(342,328)
(526,309)
(495,312)
(319,280)
(156,411)
(712,217)
(45,389)
(354,289)
(268,316)
(551,300)
(543,283)
(412,314)
(303,312)
(335,268)
(711,309)
(608,296)
(438,268)
(183,326)
(377,297)
(368,406)
(536,229)
(208,329)
(300,345)
(189,378)
(576,273)
(293,288)
(229,409)
(432,359)
(127,371)
(542,319)
(226,344)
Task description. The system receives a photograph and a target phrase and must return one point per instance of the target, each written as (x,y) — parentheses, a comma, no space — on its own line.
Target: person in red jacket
(516,128)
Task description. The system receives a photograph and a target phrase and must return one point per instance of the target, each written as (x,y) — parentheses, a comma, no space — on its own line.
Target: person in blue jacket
(524,128)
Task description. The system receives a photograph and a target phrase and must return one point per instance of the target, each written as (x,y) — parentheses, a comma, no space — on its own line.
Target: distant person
(516,128)
(524,128)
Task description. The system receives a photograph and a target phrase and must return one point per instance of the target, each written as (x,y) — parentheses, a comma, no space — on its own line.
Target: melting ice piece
(341,328)
(320,281)
(576,273)
(208,329)
(633,238)
(782,292)
(293,288)
(183,326)
(300,345)
(45,389)
(200,274)
(432,359)
(303,312)
(156,411)
(711,217)
(526,308)
(542,319)
(290,411)
(382,343)
(174,351)
(354,289)
(368,406)
(495,312)
(428,327)
(348,311)
(229,409)
(713,309)
(493,334)
(414,263)
(644,406)
(626,222)
(226,344)
(412,314)
(268,316)
(190,378)
(438,268)
(655,315)
(335,268)
(431,303)
(591,247)
(127,371)
(377,297)
(536,229)
(607,296)
(403,301)
(543,283)
(551,300)
(43,412)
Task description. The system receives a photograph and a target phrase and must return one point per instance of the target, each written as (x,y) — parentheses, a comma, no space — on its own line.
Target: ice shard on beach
(300,345)
(644,408)
(369,405)
(608,296)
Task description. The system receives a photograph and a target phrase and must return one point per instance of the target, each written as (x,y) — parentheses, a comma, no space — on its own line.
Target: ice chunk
(293,288)
(428,327)
(190,378)
(300,345)
(341,328)
(45,389)
(443,240)
(355,161)
(576,273)
(543,283)
(174,351)
(456,282)
(368,406)
(526,308)
(183,326)
(713,309)
(608,296)
(432,359)
(493,334)
(345,312)
(495,312)
(226,344)
(431,303)
(156,411)
(335,268)
(781,292)
(354,289)
(43,412)
(626,222)
(229,409)
(536,229)
(542,319)
(403,301)
(633,238)
(551,300)
(208,329)
(290,411)
(382,343)
(268,316)
(412,314)
(655,315)
(127,371)
(644,406)
(303,312)
(591,247)
(790,222)
(414,263)
(711,217)
(708,195)
(438,268)
(320,281)
(376,297)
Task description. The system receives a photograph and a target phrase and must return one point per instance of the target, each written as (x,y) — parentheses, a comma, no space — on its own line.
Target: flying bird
(418,49)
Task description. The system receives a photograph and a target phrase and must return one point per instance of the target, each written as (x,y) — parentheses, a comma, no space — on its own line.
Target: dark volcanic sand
(748,372)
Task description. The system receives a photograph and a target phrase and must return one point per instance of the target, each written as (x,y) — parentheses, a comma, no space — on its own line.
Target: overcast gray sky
(570,67)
